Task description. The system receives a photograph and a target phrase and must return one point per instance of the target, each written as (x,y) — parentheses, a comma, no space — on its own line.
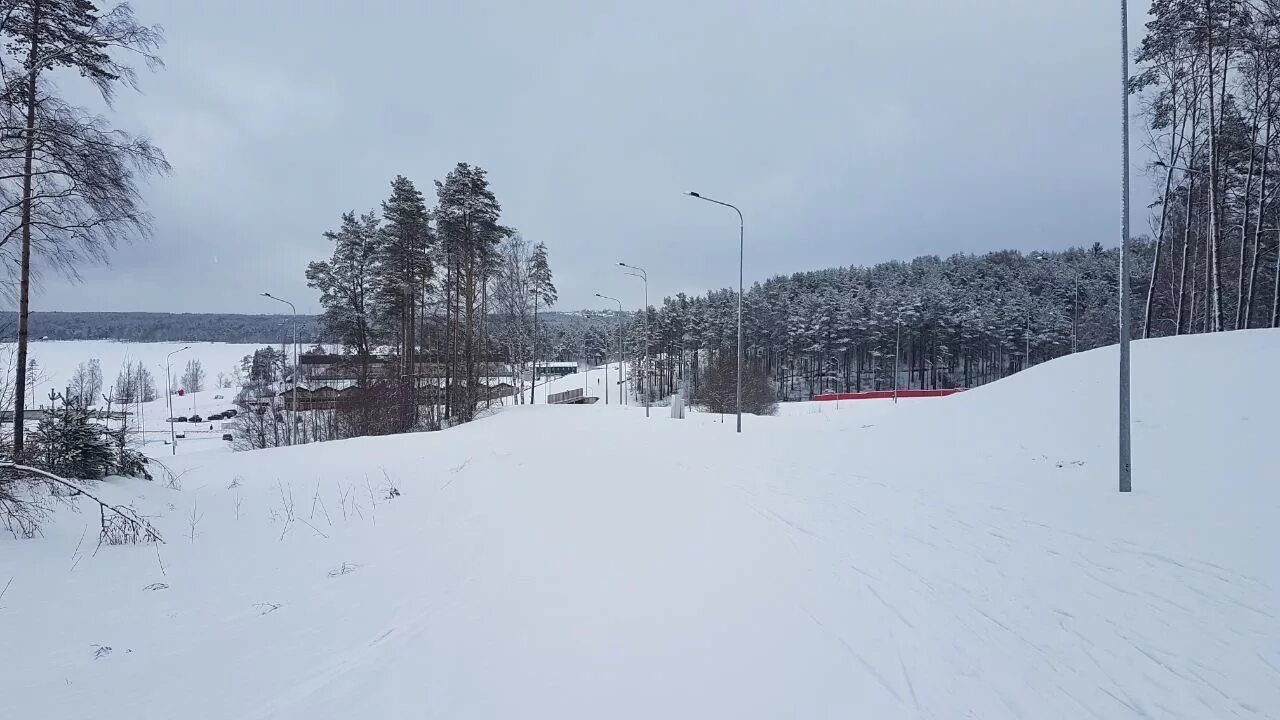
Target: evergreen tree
(403,268)
(543,291)
(467,220)
(347,283)
(67,443)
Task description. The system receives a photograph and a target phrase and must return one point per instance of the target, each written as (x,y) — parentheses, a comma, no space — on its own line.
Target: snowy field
(963,557)
(57,360)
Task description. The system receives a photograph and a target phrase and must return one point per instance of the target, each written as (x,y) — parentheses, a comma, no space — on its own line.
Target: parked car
(182,418)
(231,413)
(215,416)
(226,436)
(196,419)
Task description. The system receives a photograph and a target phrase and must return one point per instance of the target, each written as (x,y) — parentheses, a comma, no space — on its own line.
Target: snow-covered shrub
(718,391)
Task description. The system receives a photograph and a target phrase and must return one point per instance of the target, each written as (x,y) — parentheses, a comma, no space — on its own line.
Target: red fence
(886,394)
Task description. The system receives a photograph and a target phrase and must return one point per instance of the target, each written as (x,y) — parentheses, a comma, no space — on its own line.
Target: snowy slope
(958,557)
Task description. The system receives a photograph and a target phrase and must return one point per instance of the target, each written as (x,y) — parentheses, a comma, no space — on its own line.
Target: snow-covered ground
(946,558)
(57,359)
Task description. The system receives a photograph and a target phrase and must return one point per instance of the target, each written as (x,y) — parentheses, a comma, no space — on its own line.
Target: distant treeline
(178,327)
(161,327)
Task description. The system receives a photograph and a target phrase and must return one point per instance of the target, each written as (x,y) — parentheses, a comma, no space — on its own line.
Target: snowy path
(966,559)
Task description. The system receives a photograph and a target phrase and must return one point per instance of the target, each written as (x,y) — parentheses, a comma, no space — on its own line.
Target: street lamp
(741,249)
(621,378)
(168,387)
(1126,467)
(897,343)
(644,376)
(293,426)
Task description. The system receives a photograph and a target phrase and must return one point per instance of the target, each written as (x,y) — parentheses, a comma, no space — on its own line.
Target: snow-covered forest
(964,320)
(1209,81)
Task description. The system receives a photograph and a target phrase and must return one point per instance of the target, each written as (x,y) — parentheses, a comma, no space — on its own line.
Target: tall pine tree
(467,218)
(403,269)
(543,291)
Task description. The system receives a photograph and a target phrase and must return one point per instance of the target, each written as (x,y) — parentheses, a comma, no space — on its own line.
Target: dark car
(226,436)
(196,419)
(216,416)
(230,413)
(181,418)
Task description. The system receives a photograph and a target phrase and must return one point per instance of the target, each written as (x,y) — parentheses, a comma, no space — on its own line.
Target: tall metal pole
(168,387)
(1126,469)
(1026,358)
(897,343)
(741,255)
(1075,307)
(644,376)
(606,365)
(293,426)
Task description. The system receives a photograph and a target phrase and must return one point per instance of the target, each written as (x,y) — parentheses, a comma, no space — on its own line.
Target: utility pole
(1126,467)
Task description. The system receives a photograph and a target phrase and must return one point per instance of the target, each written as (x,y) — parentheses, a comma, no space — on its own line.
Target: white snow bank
(957,557)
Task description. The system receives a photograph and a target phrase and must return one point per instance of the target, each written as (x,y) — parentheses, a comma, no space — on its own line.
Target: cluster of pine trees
(1210,81)
(416,283)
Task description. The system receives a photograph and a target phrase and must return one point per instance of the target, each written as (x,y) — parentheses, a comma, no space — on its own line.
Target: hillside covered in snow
(942,558)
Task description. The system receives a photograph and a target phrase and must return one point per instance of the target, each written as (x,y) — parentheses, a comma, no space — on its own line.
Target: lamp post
(741,250)
(644,376)
(897,343)
(621,378)
(293,426)
(1125,464)
(168,387)
(1026,358)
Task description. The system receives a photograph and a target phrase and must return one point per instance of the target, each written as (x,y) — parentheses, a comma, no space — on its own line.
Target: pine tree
(347,283)
(403,269)
(467,220)
(67,443)
(543,290)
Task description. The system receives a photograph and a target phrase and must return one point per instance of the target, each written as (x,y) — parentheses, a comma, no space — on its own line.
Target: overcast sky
(848,133)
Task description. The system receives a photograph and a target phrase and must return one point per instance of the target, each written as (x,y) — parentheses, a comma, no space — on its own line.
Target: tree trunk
(533,368)
(1241,309)
(1175,150)
(1213,314)
(1262,207)
(24,301)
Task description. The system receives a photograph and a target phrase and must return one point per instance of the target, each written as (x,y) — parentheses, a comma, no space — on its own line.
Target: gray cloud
(848,132)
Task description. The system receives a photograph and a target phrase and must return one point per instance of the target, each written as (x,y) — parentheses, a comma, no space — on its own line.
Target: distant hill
(189,327)
(159,327)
